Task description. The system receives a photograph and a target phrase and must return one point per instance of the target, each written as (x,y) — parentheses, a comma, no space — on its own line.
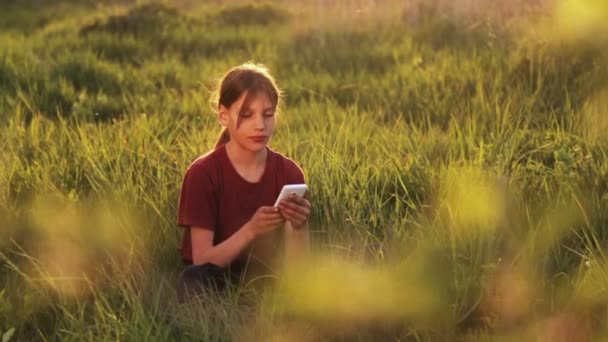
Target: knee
(199,272)
(196,277)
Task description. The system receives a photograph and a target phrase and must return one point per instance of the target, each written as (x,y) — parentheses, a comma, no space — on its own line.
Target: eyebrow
(263,110)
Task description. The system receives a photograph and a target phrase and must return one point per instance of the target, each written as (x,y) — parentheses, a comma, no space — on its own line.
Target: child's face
(257,119)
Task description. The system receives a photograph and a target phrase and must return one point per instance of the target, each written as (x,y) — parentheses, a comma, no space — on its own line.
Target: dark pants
(196,279)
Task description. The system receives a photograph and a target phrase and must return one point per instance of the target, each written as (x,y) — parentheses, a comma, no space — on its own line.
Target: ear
(223,115)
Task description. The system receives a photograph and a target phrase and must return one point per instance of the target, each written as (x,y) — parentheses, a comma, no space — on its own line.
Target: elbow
(200,257)
(205,257)
(198,261)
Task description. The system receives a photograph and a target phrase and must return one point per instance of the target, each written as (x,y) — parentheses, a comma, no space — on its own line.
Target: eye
(245,114)
(269,114)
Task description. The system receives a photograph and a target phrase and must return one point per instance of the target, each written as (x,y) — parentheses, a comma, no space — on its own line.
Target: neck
(242,157)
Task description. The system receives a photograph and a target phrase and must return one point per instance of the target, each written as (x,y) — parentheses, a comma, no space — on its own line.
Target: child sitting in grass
(226,203)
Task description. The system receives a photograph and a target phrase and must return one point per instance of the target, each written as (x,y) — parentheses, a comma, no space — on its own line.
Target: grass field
(456,155)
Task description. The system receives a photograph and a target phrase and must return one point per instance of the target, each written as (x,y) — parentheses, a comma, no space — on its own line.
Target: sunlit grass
(456,158)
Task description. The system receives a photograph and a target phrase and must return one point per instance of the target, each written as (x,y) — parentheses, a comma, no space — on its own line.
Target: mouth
(259,138)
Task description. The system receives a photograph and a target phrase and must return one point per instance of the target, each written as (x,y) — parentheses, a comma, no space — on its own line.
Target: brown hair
(251,78)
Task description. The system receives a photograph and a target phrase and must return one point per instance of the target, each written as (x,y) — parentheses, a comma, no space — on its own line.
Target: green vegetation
(457,163)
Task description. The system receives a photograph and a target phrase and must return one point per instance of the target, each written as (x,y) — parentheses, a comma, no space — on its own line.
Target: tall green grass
(457,166)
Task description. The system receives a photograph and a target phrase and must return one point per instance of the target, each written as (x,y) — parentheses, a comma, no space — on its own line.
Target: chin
(254,147)
(258,148)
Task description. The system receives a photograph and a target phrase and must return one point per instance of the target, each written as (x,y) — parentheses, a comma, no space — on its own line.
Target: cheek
(270,121)
(238,122)
(234,127)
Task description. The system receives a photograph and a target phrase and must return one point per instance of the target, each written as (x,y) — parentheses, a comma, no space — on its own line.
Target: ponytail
(247,78)
(223,139)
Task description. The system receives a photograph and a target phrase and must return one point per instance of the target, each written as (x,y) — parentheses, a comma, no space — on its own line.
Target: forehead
(258,100)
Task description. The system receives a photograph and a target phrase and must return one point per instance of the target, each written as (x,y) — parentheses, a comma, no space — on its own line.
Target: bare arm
(223,253)
(203,251)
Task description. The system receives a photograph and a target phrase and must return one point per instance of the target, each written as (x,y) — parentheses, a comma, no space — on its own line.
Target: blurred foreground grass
(456,156)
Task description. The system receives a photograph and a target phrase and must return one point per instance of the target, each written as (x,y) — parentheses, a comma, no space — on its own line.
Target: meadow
(456,156)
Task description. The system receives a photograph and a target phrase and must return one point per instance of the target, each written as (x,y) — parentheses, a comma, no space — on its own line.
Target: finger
(292,199)
(275,224)
(279,220)
(270,210)
(270,213)
(292,215)
(273,219)
(299,200)
(273,215)
(288,216)
(297,208)
(288,203)
(290,210)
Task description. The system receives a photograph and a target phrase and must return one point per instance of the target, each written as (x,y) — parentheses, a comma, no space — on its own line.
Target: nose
(260,123)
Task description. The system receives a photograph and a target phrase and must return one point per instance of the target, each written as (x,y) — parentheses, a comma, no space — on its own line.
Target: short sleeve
(197,204)
(295,175)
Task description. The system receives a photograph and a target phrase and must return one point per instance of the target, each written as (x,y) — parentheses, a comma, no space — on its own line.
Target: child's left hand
(296,210)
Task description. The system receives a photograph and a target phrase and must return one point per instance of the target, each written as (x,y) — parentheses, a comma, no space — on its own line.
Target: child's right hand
(264,220)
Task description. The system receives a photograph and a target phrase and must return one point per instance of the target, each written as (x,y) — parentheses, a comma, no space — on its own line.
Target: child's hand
(295,209)
(264,220)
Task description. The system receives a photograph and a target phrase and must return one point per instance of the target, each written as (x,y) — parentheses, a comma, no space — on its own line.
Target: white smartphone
(288,189)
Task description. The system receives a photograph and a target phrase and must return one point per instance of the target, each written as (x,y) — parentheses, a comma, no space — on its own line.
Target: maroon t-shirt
(216,197)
